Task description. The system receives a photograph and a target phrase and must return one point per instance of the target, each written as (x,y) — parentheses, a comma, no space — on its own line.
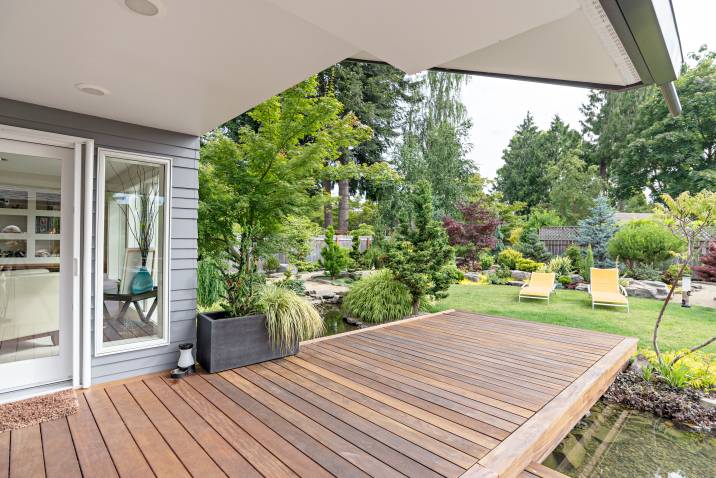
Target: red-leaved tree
(707,271)
(476,231)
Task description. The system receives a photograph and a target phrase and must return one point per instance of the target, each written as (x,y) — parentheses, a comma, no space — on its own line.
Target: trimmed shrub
(289,316)
(378,298)
(271,264)
(486,260)
(586,264)
(574,252)
(508,258)
(528,265)
(644,272)
(305,266)
(333,258)
(643,242)
(566,281)
(560,265)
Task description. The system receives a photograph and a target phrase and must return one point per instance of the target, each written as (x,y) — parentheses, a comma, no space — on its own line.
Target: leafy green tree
(435,143)
(525,174)
(540,217)
(333,258)
(574,186)
(248,188)
(643,242)
(420,256)
(292,237)
(688,216)
(667,154)
(597,229)
(377,94)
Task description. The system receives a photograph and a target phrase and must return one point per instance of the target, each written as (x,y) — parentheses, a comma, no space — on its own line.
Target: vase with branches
(140,202)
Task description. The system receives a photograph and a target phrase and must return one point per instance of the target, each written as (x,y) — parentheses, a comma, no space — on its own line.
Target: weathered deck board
(451,394)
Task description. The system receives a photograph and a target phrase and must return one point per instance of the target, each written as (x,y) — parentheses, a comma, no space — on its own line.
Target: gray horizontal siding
(184,153)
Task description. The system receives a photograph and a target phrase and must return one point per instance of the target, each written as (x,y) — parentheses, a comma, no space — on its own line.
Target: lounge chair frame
(526,284)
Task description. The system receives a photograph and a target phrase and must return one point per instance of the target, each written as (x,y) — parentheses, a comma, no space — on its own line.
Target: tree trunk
(416,306)
(328,207)
(344,194)
(603,169)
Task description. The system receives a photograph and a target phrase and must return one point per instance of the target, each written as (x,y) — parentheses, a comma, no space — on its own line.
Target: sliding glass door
(36,263)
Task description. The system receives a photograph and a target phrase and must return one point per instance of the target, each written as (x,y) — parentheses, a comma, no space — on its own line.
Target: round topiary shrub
(378,298)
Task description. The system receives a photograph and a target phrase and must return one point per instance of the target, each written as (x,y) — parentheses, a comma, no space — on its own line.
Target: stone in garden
(576,278)
(472,276)
(647,288)
(639,364)
(709,403)
(582,286)
(327,295)
(520,275)
(517,283)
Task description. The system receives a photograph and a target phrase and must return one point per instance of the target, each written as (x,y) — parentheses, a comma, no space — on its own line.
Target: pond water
(333,322)
(615,442)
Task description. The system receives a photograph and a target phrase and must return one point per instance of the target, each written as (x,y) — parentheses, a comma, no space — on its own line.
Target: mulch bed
(680,406)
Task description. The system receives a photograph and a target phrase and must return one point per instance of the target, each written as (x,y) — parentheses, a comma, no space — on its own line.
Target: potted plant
(281,320)
(249,189)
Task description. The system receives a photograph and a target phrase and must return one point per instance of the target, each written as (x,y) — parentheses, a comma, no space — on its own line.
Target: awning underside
(201,63)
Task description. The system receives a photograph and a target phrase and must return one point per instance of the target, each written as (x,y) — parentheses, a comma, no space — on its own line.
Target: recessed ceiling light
(94,90)
(147,8)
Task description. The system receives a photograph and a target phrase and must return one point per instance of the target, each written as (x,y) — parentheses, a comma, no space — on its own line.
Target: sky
(497,106)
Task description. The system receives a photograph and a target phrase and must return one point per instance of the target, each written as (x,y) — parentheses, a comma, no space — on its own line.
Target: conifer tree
(420,257)
(597,229)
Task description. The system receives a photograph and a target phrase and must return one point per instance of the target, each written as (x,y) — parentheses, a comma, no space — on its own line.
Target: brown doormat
(31,411)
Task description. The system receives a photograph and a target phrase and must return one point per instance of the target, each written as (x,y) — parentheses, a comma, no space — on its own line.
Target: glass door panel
(35,258)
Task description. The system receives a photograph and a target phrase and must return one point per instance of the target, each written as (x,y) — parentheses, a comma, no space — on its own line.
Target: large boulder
(472,276)
(649,289)
(521,275)
(576,278)
(582,287)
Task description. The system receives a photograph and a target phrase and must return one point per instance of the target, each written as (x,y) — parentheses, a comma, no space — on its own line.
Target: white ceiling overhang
(197,64)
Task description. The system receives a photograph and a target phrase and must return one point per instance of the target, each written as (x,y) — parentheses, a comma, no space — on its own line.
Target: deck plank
(59,450)
(26,458)
(451,394)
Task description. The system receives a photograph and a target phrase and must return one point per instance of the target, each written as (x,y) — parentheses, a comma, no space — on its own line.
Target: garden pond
(617,442)
(333,322)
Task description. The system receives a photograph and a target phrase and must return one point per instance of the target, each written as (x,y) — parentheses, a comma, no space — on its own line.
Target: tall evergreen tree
(377,95)
(597,229)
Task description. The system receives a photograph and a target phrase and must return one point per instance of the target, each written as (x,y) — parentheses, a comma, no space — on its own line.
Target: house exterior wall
(184,151)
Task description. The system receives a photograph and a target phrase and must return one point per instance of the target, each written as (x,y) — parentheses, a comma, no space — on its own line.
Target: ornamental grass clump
(378,298)
(289,317)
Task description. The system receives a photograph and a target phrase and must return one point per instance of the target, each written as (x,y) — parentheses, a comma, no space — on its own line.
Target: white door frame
(82,242)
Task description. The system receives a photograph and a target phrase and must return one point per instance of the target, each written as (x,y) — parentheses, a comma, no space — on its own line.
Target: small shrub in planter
(289,317)
(378,298)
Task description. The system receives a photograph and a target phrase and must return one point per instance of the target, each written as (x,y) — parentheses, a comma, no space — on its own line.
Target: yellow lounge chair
(606,290)
(540,286)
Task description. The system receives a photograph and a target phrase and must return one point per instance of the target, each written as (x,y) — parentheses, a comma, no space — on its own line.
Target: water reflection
(333,322)
(615,442)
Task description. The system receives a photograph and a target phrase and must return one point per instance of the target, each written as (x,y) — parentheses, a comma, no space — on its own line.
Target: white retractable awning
(187,65)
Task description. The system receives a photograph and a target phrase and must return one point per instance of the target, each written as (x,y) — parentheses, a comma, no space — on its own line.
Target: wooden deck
(452,394)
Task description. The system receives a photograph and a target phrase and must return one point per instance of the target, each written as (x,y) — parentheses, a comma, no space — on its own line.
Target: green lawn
(681,327)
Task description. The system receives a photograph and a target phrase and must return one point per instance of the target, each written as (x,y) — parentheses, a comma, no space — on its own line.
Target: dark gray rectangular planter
(228,342)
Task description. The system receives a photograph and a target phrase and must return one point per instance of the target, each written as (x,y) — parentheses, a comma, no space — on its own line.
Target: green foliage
(597,229)
(540,217)
(574,186)
(289,317)
(435,142)
(305,266)
(420,255)
(697,370)
(643,272)
(334,258)
(526,175)
(565,280)
(643,242)
(271,264)
(486,260)
(374,257)
(560,265)
(528,265)
(294,284)
(377,298)
(249,187)
(508,258)
(210,284)
(574,252)
(355,253)
(292,237)
(530,246)
(242,292)
(364,230)
(671,273)
(586,264)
